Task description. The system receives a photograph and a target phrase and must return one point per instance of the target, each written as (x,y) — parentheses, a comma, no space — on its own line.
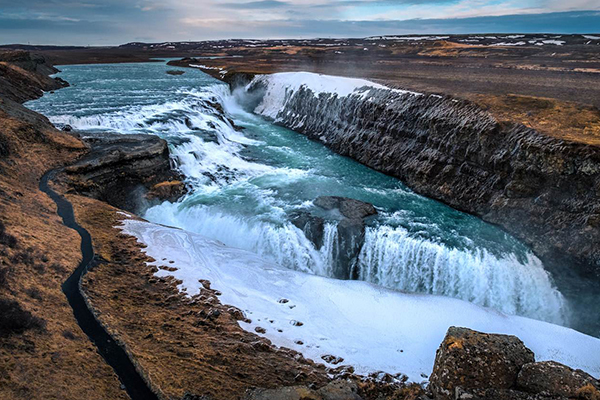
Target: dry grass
(560,119)
(37,254)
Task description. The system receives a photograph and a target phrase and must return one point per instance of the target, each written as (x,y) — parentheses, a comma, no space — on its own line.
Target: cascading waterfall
(391,258)
(283,243)
(245,184)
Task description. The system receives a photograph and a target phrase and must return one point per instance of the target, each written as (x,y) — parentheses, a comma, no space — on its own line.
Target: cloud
(119,21)
(566,22)
(255,5)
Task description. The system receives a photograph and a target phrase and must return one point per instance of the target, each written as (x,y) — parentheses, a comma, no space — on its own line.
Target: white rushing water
(245,185)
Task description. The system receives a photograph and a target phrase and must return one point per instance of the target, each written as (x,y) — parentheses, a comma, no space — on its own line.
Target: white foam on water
(391,258)
(282,243)
(372,328)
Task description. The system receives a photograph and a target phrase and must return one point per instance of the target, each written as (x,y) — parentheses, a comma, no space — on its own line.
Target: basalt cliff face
(544,191)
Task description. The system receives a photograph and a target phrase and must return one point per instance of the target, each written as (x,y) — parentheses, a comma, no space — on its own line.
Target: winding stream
(109,349)
(246,184)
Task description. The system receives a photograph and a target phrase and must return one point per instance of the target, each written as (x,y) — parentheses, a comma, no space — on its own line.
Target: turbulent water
(245,184)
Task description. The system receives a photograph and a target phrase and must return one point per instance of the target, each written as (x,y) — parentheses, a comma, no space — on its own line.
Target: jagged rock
(350,230)
(121,169)
(500,394)
(550,377)
(543,190)
(349,208)
(312,226)
(169,190)
(468,360)
(175,72)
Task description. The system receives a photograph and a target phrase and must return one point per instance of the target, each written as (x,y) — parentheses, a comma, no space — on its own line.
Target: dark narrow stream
(108,348)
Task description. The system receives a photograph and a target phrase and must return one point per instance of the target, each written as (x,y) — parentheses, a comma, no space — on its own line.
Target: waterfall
(246,183)
(391,258)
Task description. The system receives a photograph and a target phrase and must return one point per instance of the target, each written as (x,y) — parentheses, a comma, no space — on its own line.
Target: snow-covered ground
(372,328)
(509,44)
(555,42)
(407,38)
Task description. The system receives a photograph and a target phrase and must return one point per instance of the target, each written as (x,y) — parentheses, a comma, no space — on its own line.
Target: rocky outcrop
(474,365)
(554,378)
(350,228)
(126,171)
(351,209)
(543,190)
(167,190)
(24,76)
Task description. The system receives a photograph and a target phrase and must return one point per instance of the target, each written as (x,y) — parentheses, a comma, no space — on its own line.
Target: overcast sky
(106,22)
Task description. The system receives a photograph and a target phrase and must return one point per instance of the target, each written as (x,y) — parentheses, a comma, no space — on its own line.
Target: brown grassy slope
(561,119)
(53,358)
(180,343)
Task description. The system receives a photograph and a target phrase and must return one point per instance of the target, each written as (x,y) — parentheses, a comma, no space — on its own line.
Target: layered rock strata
(127,171)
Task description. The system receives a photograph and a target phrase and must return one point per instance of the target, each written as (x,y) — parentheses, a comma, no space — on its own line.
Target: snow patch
(372,328)
(204,67)
(509,44)
(280,88)
(555,42)
(408,38)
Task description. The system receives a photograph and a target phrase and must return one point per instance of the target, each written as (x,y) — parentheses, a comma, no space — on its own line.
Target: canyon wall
(544,191)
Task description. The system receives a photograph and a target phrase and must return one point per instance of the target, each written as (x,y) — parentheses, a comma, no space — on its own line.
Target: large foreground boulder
(552,378)
(468,360)
(478,366)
